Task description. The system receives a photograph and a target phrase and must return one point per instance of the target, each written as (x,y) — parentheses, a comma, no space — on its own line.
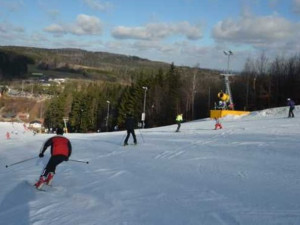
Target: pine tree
(173,85)
(55,112)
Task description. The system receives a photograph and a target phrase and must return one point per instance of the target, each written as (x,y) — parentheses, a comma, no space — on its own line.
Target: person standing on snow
(61,150)
(178,121)
(129,125)
(291,104)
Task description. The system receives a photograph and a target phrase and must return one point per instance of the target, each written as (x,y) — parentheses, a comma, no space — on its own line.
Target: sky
(246,173)
(187,32)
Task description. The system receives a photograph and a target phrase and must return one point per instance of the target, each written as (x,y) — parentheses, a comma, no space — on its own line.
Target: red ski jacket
(59,146)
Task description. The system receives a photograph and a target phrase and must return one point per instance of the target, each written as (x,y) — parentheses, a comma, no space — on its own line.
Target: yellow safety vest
(179,118)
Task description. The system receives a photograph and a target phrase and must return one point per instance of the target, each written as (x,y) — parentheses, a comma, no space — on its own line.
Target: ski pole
(20,161)
(122,141)
(141,135)
(74,160)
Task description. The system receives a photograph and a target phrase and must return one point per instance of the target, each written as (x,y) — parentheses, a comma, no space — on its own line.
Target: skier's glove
(41,155)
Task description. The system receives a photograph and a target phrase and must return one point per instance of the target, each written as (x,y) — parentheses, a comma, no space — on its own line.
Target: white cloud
(87,25)
(98,5)
(296,6)
(10,31)
(181,53)
(158,31)
(272,33)
(38,38)
(55,28)
(254,30)
(84,25)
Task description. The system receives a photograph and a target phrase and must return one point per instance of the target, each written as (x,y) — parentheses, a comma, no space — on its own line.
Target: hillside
(76,63)
(13,108)
(246,173)
(111,72)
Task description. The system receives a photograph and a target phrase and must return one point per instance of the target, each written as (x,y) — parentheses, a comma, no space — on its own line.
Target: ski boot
(49,178)
(218,125)
(40,183)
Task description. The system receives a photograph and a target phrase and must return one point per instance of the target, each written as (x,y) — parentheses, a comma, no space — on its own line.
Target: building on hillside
(23,116)
(37,76)
(35,124)
(59,81)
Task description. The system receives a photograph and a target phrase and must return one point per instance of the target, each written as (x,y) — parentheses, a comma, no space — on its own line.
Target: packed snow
(246,173)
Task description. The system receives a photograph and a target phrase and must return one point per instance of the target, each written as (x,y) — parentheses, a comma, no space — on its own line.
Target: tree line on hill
(263,83)
(77,63)
(266,83)
(13,65)
(92,106)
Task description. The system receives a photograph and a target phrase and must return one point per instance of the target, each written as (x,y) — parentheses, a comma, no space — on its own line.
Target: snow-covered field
(247,173)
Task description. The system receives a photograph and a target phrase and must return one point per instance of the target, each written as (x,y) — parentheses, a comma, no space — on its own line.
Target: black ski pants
(178,126)
(130,131)
(52,163)
(291,113)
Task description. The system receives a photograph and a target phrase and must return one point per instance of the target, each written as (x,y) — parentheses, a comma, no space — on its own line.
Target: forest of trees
(264,83)
(85,104)
(13,66)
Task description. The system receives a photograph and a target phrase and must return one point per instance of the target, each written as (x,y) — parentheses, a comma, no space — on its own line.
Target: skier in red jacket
(61,150)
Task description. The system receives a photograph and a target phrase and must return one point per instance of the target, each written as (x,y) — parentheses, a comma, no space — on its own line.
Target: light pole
(65,119)
(107,117)
(226,77)
(81,112)
(144,109)
(228,53)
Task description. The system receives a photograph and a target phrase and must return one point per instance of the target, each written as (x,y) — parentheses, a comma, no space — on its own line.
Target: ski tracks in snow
(78,201)
(224,219)
(179,151)
(110,173)
(168,154)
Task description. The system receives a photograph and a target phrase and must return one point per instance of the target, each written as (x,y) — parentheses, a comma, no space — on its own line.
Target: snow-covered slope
(246,173)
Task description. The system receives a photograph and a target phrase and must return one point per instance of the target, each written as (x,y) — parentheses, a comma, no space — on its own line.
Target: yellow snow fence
(218,113)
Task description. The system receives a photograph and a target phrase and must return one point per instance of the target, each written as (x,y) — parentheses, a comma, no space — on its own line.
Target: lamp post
(65,119)
(228,54)
(81,112)
(144,109)
(107,117)
(226,76)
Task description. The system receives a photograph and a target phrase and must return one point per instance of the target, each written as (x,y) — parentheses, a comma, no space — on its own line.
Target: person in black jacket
(129,125)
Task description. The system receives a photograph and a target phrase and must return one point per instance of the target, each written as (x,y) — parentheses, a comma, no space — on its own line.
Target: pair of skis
(129,145)
(43,189)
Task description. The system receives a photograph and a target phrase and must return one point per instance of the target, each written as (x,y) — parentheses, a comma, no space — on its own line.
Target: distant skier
(7,135)
(129,125)
(179,119)
(222,105)
(61,149)
(291,104)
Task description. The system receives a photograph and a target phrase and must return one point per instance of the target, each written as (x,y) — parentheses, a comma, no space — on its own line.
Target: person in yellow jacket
(179,119)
